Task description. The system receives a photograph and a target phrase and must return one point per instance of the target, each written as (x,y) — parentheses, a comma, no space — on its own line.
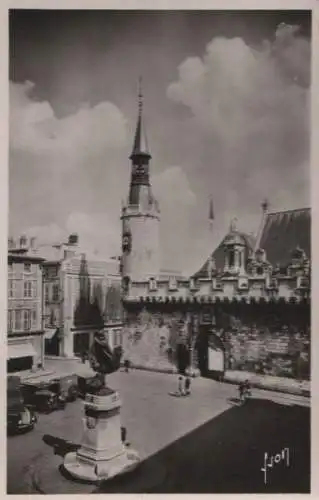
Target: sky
(226,105)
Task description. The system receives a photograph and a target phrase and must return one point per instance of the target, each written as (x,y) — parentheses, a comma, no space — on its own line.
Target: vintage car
(44,397)
(84,383)
(20,417)
(68,387)
(46,401)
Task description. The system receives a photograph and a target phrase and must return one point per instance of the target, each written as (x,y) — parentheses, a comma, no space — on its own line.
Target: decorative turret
(234,247)
(140,216)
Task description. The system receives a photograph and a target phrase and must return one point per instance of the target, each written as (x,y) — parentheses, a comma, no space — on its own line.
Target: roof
(219,254)
(140,146)
(283,232)
(24,257)
(51,252)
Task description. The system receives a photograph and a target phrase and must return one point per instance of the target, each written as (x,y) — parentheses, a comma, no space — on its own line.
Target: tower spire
(140,146)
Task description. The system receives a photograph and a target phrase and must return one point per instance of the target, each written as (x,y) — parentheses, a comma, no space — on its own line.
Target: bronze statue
(103,360)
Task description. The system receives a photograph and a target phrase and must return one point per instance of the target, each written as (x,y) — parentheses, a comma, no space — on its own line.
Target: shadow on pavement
(60,446)
(226,454)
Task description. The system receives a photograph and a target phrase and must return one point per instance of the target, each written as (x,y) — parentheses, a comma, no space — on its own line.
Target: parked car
(84,383)
(44,397)
(20,417)
(68,386)
(46,401)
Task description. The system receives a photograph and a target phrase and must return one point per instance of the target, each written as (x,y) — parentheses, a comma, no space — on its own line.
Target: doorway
(211,353)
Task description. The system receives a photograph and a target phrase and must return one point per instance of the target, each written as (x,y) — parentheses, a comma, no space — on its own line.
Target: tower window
(231,258)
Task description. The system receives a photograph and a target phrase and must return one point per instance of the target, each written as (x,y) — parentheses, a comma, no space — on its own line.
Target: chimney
(33,244)
(23,242)
(11,244)
(73,239)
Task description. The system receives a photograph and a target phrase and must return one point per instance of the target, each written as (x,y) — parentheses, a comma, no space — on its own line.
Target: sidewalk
(60,367)
(271,383)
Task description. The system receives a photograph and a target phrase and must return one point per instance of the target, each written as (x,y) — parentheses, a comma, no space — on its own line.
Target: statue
(233,225)
(103,360)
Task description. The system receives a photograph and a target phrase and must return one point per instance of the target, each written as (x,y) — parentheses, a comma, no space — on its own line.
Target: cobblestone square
(206,442)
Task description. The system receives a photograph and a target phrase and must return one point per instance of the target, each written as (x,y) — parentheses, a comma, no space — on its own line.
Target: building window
(52,318)
(10,266)
(27,267)
(55,294)
(231,258)
(11,288)
(47,298)
(17,323)
(26,320)
(10,321)
(34,316)
(28,289)
(53,272)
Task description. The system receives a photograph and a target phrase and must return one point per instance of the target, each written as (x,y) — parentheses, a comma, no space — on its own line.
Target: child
(180,385)
(126,365)
(187,386)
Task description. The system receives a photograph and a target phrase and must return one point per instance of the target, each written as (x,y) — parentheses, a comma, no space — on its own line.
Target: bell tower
(140,214)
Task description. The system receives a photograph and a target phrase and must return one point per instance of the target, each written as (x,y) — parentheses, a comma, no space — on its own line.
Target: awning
(49,333)
(20,351)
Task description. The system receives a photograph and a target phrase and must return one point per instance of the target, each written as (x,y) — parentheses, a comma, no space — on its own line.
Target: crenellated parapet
(260,281)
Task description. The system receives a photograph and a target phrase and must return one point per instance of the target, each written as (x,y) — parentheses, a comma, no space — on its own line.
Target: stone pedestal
(102,455)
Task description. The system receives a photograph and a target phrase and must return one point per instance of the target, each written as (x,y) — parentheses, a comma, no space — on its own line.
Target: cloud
(236,125)
(177,203)
(97,233)
(172,185)
(101,233)
(35,128)
(250,113)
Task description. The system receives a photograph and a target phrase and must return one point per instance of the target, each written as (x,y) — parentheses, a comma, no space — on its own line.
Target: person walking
(187,386)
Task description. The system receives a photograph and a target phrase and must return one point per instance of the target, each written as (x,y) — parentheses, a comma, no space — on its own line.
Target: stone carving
(103,360)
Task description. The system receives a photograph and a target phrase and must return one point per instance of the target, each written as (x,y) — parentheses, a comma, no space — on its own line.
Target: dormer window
(260,270)
(172,283)
(231,258)
(192,284)
(152,284)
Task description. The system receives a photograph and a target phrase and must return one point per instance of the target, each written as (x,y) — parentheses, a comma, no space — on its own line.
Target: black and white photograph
(158,251)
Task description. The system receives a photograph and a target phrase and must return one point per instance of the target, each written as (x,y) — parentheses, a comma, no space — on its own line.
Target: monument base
(94,472)
(102,454)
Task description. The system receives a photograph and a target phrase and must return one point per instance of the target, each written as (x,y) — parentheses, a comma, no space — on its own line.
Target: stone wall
(284,353)
(270,347)
(150,339)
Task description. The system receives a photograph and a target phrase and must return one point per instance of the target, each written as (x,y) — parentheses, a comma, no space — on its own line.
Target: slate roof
(283,232)
(219,254)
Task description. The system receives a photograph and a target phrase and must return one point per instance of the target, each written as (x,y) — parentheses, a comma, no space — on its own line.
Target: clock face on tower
(140,173)
(127,242)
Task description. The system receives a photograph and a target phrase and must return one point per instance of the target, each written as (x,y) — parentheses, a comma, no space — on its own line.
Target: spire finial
(265,205)
(140,95)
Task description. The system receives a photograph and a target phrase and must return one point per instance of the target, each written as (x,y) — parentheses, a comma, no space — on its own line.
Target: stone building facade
(81,295)
(25,342)
(253,292)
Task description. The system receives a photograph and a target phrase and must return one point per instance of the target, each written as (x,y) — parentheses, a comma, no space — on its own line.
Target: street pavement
(207,443)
